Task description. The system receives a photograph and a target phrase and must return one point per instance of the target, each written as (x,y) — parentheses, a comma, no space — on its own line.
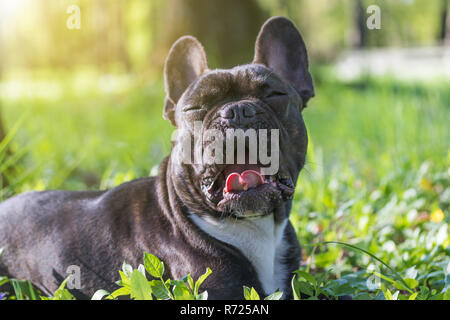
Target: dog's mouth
(241,189)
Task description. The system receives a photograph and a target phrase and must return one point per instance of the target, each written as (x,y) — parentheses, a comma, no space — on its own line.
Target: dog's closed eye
(276,93)
(192,108)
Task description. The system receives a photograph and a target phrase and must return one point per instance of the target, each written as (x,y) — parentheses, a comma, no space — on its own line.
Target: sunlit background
(90,99)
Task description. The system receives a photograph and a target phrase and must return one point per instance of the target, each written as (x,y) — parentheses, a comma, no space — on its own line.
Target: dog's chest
(260,240)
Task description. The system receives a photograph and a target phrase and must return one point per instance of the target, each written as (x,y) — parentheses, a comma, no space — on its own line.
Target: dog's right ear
(184,64)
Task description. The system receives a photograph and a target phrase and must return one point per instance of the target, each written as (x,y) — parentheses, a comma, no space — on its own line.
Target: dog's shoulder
(142,190)
(50,204)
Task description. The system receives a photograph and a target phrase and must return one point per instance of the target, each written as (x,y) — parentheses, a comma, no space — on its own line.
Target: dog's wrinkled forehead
(280,53)
(248,81)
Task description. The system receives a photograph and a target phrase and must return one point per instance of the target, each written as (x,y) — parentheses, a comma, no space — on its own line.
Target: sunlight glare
(9,7)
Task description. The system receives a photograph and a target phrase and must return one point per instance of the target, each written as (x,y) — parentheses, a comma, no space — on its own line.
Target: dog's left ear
(184,64)
(280,47)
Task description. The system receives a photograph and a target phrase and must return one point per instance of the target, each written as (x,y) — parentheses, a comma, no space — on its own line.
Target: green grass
(377,175)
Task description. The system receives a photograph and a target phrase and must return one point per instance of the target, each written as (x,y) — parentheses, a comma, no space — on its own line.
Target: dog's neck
(259,239)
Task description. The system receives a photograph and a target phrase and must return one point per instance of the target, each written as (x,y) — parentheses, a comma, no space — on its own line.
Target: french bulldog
(230,217)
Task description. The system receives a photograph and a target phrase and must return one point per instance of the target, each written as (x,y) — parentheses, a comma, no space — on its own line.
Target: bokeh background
(82,109)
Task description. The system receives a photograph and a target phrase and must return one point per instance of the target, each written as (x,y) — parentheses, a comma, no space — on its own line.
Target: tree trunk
(360,39)
(444,36)
(227,29)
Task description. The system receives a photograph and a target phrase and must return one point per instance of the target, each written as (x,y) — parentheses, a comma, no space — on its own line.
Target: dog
(229,217)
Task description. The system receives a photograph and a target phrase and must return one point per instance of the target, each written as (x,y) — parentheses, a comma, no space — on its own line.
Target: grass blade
(371,255)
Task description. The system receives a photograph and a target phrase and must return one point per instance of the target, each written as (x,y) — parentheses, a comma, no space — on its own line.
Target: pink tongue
(244,181)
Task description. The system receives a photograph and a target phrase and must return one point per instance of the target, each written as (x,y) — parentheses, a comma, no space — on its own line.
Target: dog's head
(241,140)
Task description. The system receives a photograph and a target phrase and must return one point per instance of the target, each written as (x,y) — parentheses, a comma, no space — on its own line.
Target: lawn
(377,176)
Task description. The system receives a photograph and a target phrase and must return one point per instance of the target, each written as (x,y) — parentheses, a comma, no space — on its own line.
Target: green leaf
(124,291)
(201,279)
(343,289)
(182,292)
(153,265)
(202,296)
(124,279)
(189,281)
(175,282)
(362,296)
(159,290)
(3,280)
(100,294)
(277,295)
(127,269)
(140,288)
(141,269)
(308,277)
(321,278)
(62,293)
(295,289)
(446,295)
(423,293)
(388,295)
(412,283)
(440,296)
(413,296)
(251,294)
(306,288)
(395,295)
(397,284)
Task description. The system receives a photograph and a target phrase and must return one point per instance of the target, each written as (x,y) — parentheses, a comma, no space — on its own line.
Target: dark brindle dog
(192,216)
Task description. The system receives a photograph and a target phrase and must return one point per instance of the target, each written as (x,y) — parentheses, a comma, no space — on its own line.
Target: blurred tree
(109,33)
(2,128)
(135,35)
(360,34)
(227,29)
(3,181)
(326,25)
(445,22)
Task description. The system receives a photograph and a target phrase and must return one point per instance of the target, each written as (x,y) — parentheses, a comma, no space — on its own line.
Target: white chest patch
(259,239)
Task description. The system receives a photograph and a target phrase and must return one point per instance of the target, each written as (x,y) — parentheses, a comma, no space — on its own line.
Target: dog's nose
(240,114)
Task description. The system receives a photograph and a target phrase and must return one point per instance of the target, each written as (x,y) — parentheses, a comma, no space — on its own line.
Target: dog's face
(261,101)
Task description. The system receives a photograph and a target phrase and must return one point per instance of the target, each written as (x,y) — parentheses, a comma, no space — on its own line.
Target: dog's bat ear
(184,64)
(280,47)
